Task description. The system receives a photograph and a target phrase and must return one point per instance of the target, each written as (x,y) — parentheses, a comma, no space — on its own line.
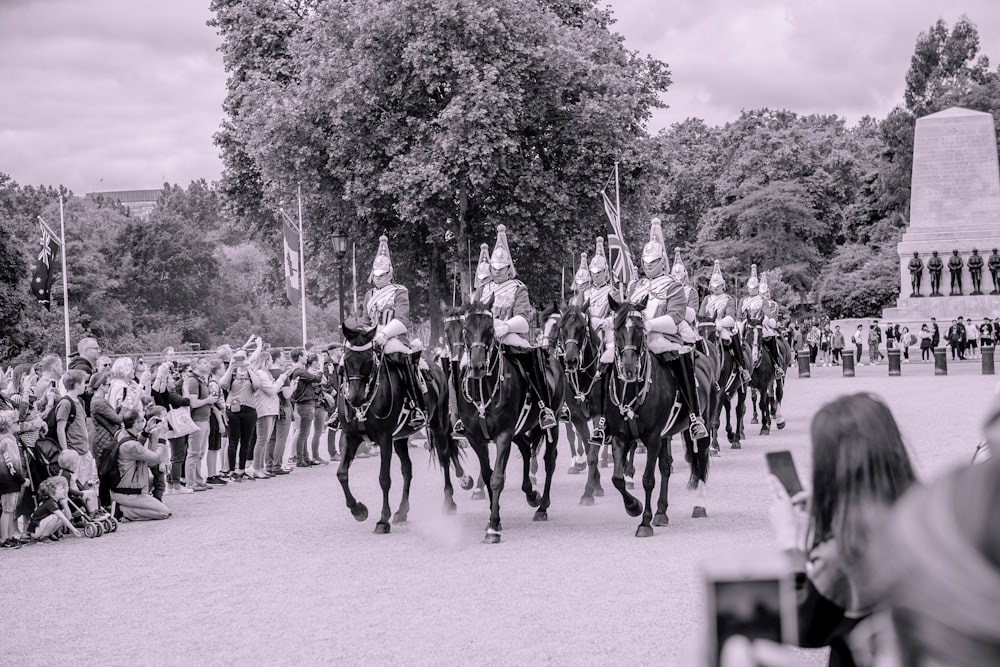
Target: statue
(975,265)
(935,266)
(955,265)
(916,267)
(994,265)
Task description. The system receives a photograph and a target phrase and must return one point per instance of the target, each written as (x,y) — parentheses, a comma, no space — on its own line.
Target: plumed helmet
(655,247)
(679,272)
(501,252)
(483,268)
(382,263)
(716,282)
(582,276)
(599,262)
(763,289)
(753,283)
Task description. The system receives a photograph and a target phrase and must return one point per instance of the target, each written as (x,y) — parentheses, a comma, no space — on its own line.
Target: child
(52,511)
(81,494)
(12,479)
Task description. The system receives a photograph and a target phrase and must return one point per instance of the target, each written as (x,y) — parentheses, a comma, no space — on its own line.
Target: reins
(618,392)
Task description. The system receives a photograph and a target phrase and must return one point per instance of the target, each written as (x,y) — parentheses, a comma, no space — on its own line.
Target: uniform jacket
(510,298)
(391,302)
(598,297)
(717,306)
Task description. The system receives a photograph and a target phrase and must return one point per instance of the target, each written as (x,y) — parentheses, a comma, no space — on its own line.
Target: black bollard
(894,370)
(988,367)
(848,357)
(940,361)
(804,371)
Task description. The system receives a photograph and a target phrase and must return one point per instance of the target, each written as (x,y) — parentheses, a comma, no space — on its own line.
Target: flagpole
(621,226)
(302,266)
(65,282)
(354,275)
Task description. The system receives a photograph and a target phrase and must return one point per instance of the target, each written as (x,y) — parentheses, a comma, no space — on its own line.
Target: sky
(126,94)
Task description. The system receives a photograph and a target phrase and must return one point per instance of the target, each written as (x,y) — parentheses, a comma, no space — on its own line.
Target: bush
(858,282)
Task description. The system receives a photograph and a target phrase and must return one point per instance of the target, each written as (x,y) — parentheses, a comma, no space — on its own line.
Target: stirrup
(564,415)
(698,430)
(458,429)
(597,436)
(417,419)
(778,373)
(546,419)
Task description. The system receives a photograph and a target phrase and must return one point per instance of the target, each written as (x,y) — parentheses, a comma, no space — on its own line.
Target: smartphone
(752,595)
(781,465)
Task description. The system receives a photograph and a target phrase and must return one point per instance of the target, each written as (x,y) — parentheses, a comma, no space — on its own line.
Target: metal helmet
(501,252)
(582,277)
(679,272)
(753,283)
(655,248)
(763,288)
(717,283)
(483,268)
(382,263)
(600,261)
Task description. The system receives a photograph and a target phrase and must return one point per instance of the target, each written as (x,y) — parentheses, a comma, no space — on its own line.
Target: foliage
(858,281)
(944,67)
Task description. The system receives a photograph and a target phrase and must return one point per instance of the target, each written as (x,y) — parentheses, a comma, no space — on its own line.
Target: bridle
(618,383)
(455,348)
(373,379)
(494,366)
(573,377)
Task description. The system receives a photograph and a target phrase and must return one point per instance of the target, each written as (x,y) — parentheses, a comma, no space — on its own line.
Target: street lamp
(340,250)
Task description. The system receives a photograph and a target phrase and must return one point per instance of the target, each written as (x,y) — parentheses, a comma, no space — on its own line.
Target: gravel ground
(277,571)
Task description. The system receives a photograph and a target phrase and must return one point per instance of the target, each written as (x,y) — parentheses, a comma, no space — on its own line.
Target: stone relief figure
(916,267)
(955,265)
(935,266)
(975,265)
(994,265)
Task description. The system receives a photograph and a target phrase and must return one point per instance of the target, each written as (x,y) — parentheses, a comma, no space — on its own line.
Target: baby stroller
(90,524)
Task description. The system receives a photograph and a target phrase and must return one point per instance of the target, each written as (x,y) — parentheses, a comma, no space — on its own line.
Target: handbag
(180,422)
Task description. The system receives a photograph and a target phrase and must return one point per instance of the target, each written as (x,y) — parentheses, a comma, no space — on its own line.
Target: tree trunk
(434,277)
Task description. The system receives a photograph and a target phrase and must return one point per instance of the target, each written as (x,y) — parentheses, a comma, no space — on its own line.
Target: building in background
(139,203)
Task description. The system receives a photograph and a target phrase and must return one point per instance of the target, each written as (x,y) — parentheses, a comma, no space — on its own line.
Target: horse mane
(625,311)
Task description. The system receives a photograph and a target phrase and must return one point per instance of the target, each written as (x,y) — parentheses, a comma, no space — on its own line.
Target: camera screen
(751,608)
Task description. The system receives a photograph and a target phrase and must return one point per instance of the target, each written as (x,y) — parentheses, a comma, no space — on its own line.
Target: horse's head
(454,318)
(359,362)
(630,336)
(478,335)
(755,338)
(708,331)
(573,335)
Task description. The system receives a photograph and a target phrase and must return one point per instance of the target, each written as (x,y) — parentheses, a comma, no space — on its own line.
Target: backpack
(108,473)
(50,418)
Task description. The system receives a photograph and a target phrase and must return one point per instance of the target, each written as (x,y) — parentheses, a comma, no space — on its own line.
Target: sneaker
(280,471)
(236,477)
(320,462)
(303,464)
(11,543)
(216,480)
(182,490)
(260,474)
(334,457)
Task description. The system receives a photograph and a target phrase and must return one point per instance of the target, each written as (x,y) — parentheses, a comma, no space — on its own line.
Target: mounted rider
(666,314)
(581,282)
(388,308)
(759,309)
(721,307)
(686,327)
(601,317)
(511,310)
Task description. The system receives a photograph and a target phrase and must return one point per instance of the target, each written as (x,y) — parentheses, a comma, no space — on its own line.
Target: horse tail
(699,461)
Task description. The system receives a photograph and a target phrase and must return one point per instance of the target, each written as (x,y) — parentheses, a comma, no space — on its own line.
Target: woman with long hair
(859,465)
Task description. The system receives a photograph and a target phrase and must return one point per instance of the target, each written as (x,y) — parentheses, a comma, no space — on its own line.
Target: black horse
(731,386)
(764,379)
(581,352)
(644,405)
(494,403)
(372,405)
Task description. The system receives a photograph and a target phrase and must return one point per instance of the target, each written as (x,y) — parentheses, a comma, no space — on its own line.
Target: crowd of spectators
(114,436)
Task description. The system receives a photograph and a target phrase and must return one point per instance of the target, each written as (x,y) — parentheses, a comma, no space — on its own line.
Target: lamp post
(340,250)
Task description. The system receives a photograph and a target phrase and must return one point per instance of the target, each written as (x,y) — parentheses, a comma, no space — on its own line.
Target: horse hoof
(491,538)
(713,452)
(450,508)
(360,512)
(781,425)
(499,528)
(540,515)
(382,528)
(765,430)
(587,501)
(660,520)
(573,470)
(532,498)
(754,420)
(479,495)
(633,509)
(644,531)
(699,513)
(467,482)
(736,445)
(599,492)
(399,518)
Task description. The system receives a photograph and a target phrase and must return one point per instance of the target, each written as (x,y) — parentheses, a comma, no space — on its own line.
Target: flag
(41,277)
(619,258)
(293,263)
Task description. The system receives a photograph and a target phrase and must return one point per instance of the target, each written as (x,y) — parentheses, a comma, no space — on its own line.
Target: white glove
(380,339)
(500,328)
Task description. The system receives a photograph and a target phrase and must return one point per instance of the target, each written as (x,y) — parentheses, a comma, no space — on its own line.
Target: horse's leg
(384,481)
(765,411)
(549,459)
(483,454)
(527,482)
(630,451)
(406,467)
(445,448)
(571,438)
(666,462)
(754,398)
(632,505)
(779,394)
(349,447)
(697,456)
(645,528)
(581,428)
(741,411)
(715,408)
(496,488)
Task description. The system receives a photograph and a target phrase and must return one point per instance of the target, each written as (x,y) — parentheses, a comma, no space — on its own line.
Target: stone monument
(954,205)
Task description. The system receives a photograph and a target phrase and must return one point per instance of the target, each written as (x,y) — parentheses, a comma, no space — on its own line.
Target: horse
(730,386)
(580,358)
(763,376)
(371,405)
(723,366)
(495,405)
(644,405)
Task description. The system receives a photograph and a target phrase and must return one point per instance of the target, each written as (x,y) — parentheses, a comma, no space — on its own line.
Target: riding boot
(535,366)
(455,375)
(598,435)
(737,353)
(683,369)
(418,409)
(772,346)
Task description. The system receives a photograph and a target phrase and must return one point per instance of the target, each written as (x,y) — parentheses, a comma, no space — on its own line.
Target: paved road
(278,572)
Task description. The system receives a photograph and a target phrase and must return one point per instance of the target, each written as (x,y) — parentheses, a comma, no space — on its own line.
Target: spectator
(878,333)
(985,333)
(132,491)
(52,511)
(859,463)
(13,478)
(218,457)
(796,341)
(22,398)
(837,343)
(240,385)
(906,340)
(107,420)
(858,339)
(935,333)
(275,453)
(167,381)
(926,343)
(873,342)
(71,425)
(970,341)
(85,359)
(144,377)
(812,340)
(826,345)
(890,336)
(324,400)
(306,382)
(85,496)
(123,390)
(956,340)
(196,391)
(266,403)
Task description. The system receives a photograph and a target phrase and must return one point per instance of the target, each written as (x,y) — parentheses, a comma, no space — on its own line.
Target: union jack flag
(619,258)
(43,273)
